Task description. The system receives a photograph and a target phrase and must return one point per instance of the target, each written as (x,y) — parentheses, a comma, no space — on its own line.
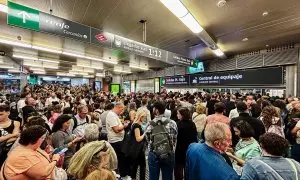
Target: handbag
(130,147)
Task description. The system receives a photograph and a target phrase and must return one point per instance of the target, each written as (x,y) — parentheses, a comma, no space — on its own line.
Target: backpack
(76,123)
(292,121)
(161,143)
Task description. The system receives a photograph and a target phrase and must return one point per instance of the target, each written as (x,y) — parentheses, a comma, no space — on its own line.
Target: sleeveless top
(8,129)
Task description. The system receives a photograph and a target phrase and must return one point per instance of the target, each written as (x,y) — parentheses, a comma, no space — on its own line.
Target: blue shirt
(204,162)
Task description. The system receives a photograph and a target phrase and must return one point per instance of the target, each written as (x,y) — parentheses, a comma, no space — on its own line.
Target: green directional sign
(22,16)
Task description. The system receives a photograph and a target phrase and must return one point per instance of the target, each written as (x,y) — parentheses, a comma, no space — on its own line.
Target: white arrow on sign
(24,14)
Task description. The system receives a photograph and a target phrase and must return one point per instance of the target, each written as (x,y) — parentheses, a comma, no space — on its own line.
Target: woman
(91,157)
(61,138)
(56,112)
(271,121)
(187,134)
(137,131)
(28,161)
(132,111)
(272,165)
(247,147)
(199,118)
(9,132)
(101,174)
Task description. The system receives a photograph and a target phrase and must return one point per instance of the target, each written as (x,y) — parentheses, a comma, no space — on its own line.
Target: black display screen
(263,76)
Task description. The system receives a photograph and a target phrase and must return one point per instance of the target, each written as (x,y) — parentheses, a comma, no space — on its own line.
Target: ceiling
(227,25)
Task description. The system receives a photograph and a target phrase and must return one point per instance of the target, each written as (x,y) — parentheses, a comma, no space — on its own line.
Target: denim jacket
(271,168)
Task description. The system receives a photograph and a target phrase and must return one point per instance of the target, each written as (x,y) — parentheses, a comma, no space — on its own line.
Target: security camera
(221,3)
(19,37)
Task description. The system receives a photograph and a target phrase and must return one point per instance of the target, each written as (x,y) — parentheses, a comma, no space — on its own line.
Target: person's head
(297,107)
(57,108)
(159,108)
(241,107)
(183,114)
(119,108)
(101,174)
(82,111)
(63,122)
(219,107)
(268,114)
(200,109)
(91,132)
(218,135)
(144,102)
(68,110)
(274,144)
(141,116)
(96,106)
(92,156)
(33,136)
(4,112)
(243,129)
(30,101)
(109,106)
(132,106)
(53,95)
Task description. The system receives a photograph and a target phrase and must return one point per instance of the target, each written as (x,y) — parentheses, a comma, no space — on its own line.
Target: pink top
(54,117)
(217,118)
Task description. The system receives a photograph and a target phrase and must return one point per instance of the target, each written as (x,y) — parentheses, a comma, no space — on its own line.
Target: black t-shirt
(136,125)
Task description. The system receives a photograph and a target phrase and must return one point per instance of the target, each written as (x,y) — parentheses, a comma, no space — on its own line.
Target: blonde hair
(101,174)
(139,114)
(94,154)
(200,109)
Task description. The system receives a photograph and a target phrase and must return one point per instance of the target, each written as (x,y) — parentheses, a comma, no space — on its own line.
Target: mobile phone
(59,150)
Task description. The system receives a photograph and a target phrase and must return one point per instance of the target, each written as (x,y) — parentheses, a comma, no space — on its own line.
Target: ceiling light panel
(176,7)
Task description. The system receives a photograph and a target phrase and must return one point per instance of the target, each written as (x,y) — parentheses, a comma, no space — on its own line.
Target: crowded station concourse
(149,90)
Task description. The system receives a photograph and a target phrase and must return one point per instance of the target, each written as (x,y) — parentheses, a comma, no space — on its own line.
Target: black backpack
(76,123)
(161,143)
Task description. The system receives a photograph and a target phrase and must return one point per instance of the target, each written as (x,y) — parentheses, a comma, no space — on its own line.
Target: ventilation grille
(228,64)
(211,66)
(281,58)
(249,62)
(252,53)
(160,73)
(169,71)
(179,70)
(281,48)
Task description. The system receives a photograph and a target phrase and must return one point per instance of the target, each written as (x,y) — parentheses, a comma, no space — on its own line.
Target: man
(80,120)
(218,116)
(21,103)
(29,109)
(156,160)
(41,103)
(210,105)
(256,124)
(115,136)
(204,161)
(230,104)
(103,116)
(51,99)
(144,108)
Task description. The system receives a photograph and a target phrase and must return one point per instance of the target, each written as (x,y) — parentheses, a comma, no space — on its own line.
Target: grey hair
(81,107)
(91,132)
(215,131)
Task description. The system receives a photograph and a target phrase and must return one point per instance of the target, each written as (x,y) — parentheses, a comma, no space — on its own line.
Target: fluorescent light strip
(100,75)
(39,72)
(218,52)
(51,67)
(138,67)
(48,60)
(122,71)
(14,70)
(101,60)
(33,65)
(80,73)
(46,49)
(176,7)
(20,44)
(191,23)
(73,54)
(6,67)
(36,69)
(64,74)
(25,57)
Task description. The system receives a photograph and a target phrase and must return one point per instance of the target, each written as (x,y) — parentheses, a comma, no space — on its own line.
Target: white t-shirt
(112,120)
(298,133)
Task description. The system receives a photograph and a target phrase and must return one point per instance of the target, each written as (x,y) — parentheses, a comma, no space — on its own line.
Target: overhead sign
(176,80)
(22,16)
(262,76)
(29,18)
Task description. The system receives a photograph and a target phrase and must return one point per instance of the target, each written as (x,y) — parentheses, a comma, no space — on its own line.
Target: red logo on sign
(101,38)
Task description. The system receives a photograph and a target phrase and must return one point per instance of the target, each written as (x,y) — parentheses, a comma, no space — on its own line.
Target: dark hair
(241,106)
(246,130)
(4,108)
(109,106)
(58,124)
(185,113)
(144,101)
(255,110)
(267,114)
(68,110)
(160,106)
(32,134)
(96,105)
(274,144)
(219,107)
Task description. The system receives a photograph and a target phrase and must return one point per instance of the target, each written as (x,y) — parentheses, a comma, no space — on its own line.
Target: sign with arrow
(22,16)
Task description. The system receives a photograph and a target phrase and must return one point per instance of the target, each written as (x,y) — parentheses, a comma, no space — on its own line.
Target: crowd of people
(63,132)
